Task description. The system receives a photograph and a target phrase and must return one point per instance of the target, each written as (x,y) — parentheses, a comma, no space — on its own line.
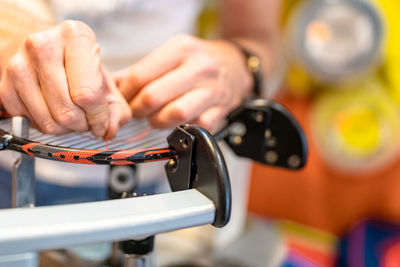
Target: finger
(123,114)
(212,118)
(47,56)
(119,75)
(27,87)
(168,87)
(162,60)
(184,109)
(85,79)
(119,110)
(9,98)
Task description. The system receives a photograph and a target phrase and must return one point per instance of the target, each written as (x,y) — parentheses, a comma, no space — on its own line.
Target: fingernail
(98,130)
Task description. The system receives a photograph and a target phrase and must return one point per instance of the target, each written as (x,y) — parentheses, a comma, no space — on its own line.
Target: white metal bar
(19,260)
(33,229)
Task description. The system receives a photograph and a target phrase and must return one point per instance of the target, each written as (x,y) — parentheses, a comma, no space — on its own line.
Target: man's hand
(186,80)
(56,80)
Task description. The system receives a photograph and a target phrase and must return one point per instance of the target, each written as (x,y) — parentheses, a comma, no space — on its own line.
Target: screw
(258,116)
(294,161)
(184,143)
(237,128)
(268,134)
(271,157)
(172,164)
(236,140)
(271,142)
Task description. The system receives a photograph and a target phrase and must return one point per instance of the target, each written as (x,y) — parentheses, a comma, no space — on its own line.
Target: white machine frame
(25,230)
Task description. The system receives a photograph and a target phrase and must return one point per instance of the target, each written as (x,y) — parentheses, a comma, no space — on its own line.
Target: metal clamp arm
(200,165)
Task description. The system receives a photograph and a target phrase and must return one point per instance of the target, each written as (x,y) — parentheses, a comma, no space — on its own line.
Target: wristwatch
(253,63)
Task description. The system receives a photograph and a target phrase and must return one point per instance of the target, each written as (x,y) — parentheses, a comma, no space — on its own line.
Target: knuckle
(16,66)
(204,122)
(74,28)
(156,122)
(188,43)
(180,115)
(67,116)
(48,127)
(36,42)
(40,47)
(150,100)
(86,96)
(207,67)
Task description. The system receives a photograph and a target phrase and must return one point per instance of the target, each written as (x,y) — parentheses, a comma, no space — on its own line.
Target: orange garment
(319,196)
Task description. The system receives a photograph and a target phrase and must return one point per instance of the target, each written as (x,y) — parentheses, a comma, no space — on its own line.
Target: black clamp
(266,132)
(200,165)
(261,130)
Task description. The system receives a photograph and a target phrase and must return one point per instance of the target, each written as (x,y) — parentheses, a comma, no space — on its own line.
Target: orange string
(106,138)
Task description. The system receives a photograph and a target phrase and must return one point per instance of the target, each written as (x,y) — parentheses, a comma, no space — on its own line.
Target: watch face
(335,40)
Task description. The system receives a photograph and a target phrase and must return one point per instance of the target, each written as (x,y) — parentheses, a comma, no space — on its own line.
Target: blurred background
(338,73)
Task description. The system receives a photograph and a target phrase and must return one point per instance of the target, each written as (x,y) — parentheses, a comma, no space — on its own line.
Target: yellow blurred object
(207,22)
(391,9)
(299,83)
(312,238)
(358,129)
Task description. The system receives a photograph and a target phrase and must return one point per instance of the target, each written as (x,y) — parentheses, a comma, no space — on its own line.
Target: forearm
(254,25)
(19,18)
